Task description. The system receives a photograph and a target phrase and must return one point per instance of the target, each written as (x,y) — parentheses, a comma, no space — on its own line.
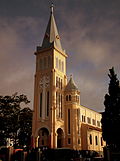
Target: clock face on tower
(44,82)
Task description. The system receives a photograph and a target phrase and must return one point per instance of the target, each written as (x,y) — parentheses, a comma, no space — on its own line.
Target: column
(36,141)
(56,135)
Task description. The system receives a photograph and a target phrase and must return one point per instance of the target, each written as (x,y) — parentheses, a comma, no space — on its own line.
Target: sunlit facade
(59,120)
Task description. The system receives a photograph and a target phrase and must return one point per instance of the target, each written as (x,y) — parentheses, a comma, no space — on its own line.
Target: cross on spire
(71,76)
(52,7)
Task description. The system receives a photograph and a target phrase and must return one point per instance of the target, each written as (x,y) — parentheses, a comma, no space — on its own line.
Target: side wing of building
(91,132)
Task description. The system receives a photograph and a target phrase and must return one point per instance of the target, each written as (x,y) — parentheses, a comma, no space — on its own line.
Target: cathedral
(59,119)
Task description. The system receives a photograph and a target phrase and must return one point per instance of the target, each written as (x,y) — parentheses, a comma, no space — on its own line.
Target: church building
(59,119)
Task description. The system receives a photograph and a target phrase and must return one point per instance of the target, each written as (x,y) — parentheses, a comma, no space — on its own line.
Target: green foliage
(111,116)
(12,119)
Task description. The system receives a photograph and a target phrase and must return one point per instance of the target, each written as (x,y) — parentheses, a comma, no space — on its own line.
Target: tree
(111,116)
(10,117)
(25,130)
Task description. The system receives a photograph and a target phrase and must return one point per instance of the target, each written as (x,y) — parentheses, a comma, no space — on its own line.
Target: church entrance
(59,138)
(43,137)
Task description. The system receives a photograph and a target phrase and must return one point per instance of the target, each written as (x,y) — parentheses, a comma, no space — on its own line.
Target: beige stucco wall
(52,123)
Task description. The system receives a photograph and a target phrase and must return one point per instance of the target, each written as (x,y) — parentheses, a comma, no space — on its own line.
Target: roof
(71,85)
(51,35)
(90,109)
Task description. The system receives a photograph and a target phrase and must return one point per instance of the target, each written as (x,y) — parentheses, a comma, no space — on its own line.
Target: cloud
(17,60)
(93,47)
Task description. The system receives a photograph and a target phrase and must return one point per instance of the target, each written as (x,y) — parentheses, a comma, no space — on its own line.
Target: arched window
(68,121)
(78,141)
(93,121)
(77,98)
(90,139)
(59,83)
(43,135)
(82,118)
(56,81)
(88,120)
(96,140)
(61,106)
(98,123)
(67,98)
(57,103)
(78,119)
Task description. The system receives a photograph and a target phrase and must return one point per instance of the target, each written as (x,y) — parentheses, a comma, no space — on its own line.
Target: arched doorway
(43,140)
(59,138)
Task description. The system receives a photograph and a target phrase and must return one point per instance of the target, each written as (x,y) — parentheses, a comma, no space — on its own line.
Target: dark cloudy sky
(90,34)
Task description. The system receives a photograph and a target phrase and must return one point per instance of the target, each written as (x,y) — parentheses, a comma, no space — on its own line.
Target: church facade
(59,120)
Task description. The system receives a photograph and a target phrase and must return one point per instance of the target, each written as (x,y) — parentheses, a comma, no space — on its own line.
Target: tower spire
(51,35)
(71,84)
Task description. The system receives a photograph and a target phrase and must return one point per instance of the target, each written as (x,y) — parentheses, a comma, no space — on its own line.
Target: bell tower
(50,80)
(72,115)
